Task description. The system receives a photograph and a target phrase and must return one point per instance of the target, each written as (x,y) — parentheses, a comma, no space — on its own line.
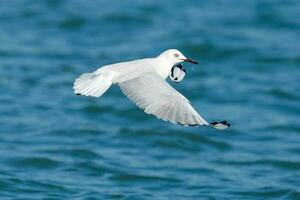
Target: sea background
(56,145)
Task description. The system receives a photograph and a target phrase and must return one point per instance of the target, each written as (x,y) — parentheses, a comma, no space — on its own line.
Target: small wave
(96,169)
(160,136)
(83,153)
(270,192)
(37,162)
(141,178)
(96,109)
(283,127)
(73,23)
(280,93)
(126,18)
(281,164)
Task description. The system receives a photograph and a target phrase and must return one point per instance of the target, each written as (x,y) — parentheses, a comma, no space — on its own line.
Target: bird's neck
(163,67)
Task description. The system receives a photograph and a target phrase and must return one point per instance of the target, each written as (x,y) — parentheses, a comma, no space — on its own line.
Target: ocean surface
(56,145)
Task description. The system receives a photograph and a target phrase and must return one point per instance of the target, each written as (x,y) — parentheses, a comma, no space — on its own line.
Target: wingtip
(187,124)
(220,125)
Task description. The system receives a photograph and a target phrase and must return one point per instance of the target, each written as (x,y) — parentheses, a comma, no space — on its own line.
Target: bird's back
(124,71)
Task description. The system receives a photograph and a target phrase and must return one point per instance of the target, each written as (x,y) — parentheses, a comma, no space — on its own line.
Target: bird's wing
(155,96)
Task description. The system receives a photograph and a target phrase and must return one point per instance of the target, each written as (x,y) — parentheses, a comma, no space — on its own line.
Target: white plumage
(90,84)
(155,96)
(143,82)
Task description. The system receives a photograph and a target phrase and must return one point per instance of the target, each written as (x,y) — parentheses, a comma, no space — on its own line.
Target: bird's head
(175,56)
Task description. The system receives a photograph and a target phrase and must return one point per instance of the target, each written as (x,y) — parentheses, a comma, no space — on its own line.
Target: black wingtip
(220,125)
(78,94)
(217,125)
(225,123)
(187,124)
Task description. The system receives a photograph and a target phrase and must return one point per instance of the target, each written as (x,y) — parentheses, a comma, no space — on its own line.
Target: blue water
(56,145)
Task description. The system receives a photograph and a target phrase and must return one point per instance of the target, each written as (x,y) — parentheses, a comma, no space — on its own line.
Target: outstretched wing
(155,96)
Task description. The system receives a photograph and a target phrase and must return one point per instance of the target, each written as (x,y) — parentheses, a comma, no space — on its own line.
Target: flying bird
(144,82)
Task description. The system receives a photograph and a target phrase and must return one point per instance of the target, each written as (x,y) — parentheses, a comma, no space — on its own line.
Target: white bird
(143,82)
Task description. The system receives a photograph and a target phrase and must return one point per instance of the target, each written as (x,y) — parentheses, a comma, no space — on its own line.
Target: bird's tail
(91,84)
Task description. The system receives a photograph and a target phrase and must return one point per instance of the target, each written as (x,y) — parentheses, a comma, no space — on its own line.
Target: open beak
(190,60)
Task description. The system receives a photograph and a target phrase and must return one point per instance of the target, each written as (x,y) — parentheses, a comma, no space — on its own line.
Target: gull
(144,82)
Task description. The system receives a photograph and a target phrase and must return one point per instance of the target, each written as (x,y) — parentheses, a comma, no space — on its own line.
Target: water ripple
(56,145)
(37,162)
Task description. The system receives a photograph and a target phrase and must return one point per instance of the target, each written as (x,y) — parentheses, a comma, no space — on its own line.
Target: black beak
(190,60)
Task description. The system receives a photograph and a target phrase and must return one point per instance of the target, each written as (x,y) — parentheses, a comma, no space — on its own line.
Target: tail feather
(90,84)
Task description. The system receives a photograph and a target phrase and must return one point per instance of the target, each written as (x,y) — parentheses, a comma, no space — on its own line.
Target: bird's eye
(176,55)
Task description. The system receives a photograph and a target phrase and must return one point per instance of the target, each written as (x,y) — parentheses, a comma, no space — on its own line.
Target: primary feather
(155,96)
